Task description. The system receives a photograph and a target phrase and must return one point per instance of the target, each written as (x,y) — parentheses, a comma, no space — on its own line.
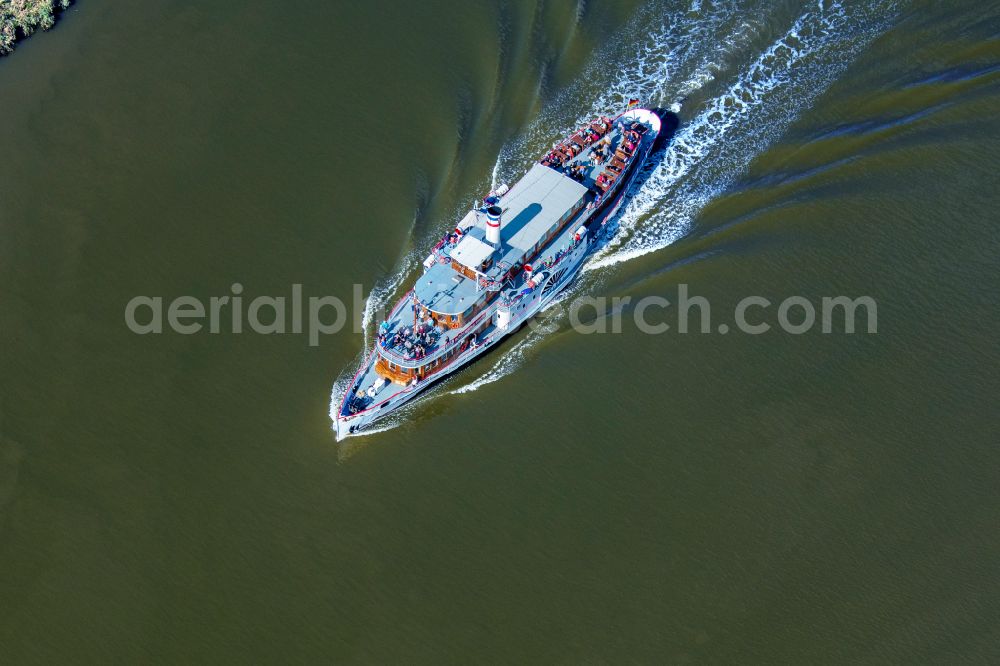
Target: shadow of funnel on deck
(521,220)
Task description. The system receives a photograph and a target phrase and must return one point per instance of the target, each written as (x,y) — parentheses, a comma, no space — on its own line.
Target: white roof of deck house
(535,205)
(471,252)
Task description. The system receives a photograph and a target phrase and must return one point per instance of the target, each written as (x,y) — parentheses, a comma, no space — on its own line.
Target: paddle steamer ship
(503,262)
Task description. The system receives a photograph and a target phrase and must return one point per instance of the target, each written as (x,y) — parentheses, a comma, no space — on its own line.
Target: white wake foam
(653,49)
(379,299)
(712,149)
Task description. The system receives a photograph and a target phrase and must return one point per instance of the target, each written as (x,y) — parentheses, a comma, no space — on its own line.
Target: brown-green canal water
(604,498)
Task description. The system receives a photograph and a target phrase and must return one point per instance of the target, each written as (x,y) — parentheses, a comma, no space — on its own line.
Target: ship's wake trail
(712,149)
(688,61)
(672,45)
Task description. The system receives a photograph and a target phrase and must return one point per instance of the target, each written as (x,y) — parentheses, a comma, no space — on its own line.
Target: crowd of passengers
(597,135)
(630,141)
(561,155)
(413,341)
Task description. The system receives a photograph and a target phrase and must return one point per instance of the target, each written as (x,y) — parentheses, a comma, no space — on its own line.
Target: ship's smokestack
(493,225)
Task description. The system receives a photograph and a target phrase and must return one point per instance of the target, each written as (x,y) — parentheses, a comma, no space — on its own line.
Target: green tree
(20,18)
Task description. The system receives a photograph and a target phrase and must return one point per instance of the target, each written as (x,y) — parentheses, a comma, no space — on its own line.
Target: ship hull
(346,424)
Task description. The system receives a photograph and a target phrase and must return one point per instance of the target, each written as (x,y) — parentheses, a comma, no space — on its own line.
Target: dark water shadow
(670,121)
